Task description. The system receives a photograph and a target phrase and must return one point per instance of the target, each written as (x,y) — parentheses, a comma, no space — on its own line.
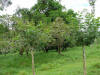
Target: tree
(87,34)
(25,14)
(59,31)
(32,38)
(46,11)
(92,4)
(45,7)
(4,3)
(28,37)
(5,40)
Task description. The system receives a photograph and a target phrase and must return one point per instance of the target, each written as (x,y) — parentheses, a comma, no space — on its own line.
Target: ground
(52,63)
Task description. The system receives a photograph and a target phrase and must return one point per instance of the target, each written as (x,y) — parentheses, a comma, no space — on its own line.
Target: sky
(77,5)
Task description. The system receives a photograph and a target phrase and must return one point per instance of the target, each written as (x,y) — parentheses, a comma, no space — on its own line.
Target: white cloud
(98,8)
(19,3)
(77,5)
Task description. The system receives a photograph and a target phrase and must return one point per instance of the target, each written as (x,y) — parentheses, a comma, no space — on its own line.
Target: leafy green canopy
(88,30)
(46,11)
(49,10)
(3,29)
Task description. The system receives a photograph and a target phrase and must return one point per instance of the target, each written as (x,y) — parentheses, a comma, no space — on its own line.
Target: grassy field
(51,63)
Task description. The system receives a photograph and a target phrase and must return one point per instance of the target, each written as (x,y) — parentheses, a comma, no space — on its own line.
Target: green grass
(51,63)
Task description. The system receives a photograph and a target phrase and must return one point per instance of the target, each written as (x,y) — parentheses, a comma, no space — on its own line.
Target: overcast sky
(77,5)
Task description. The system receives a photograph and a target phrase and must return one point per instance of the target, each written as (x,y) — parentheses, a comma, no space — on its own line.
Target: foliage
(88,30)
(4,3)
(3,29)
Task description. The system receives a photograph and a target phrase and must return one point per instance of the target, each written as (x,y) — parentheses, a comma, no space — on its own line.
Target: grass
(51,63)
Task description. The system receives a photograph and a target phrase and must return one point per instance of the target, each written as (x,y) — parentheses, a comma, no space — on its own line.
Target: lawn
(52,63)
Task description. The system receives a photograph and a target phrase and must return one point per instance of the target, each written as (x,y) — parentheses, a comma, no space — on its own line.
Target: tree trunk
(33,68)
(59,49)
(27,52)
(21,51)
(84,61)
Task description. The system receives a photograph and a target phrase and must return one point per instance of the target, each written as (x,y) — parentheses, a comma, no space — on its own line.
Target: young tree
(32,38)
(28,35)
(87,34)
